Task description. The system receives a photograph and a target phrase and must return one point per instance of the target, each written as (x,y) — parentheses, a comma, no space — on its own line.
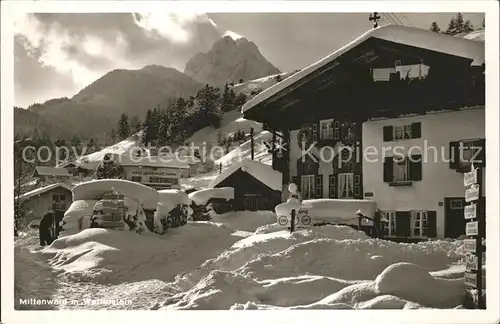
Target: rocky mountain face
(96,108)
(229,61)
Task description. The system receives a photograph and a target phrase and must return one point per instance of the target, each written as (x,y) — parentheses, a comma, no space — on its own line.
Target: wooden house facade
(385,88)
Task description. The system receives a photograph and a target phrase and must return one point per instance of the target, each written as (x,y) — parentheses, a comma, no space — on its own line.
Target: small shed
(54,197)
(256,185)
(44,173)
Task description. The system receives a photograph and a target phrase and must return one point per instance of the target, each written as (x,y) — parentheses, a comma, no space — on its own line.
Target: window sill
(400,184)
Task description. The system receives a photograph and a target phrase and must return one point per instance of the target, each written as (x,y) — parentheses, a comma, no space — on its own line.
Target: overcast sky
(56,55)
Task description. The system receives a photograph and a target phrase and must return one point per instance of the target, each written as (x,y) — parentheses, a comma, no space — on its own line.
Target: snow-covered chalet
(392,88)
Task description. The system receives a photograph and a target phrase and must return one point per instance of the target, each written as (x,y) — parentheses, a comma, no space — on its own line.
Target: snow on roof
(417,37)
(477,35)
(262,172)
(42,190)
(201,197)
(50,171)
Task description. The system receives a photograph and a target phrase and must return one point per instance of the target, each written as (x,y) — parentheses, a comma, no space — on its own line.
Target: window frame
(311,190)
(390,225)
(423,223)
(328,129)
(405,132)
(348,179)
(406,171)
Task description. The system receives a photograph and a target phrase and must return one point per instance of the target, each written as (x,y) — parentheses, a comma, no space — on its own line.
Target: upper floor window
(402,132)
(326,128)
(464,153)
(398,170)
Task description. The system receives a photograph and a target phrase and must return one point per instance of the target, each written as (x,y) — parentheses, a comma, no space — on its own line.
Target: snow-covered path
(209,265)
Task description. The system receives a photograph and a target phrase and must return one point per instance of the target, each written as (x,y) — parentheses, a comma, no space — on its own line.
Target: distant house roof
(415,37)
(45,189)
(150,161)
(262,172)
(51,171)
(65,164)
(477,35)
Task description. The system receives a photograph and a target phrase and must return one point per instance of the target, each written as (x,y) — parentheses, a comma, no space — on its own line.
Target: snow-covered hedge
(202,202)
(172,210)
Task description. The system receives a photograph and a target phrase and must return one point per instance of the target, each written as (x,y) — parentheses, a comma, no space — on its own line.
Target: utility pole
(375,18)
(251,143)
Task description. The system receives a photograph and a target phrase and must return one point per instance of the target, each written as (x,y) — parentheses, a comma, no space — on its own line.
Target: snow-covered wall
(438,180)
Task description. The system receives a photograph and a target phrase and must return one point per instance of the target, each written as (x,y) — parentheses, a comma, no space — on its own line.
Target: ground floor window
(307,186)
(346,185)
(389,223)
(420,226)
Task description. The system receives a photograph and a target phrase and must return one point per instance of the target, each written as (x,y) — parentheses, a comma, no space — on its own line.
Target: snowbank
(341,211)
(93,190)
(327,267)
(171,198)
(245,220)
(201,197)
(113,257)
(77,217)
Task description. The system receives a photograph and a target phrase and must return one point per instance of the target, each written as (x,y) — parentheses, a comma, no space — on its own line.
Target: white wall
(438,180)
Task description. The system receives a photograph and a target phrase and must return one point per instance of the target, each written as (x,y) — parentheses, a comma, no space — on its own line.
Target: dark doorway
(454,222)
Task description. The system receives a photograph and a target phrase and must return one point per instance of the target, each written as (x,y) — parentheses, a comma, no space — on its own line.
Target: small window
(401,170)
(389,223)
(315,137)
(456,204)
(402,132)
(357,179)
(136,178)
(357,191)
(315,127)
(336,135)
(319,180)
(336,125)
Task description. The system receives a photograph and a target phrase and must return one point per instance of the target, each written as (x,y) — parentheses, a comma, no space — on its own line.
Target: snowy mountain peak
(229,60)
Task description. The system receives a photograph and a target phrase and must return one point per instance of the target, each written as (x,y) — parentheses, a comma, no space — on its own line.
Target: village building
(51,174)
(256,185)
(393,87)
(69,165)
(36,203)
(153,171)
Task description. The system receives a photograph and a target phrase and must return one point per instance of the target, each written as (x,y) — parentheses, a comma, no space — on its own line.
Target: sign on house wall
(474,228)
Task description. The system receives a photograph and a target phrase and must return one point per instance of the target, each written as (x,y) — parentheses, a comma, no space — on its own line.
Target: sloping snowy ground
(244,261)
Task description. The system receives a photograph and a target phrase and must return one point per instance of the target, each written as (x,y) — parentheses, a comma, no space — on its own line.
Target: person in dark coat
(46,233)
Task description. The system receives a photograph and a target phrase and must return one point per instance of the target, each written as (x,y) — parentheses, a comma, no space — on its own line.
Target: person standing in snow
(50,227)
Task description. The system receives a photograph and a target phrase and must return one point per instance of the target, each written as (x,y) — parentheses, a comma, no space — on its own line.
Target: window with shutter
(388,169)
(454,155)
(319,186)
(416,167)
(388,133)
(403,221)
(416,130)
(332,186)
(431,224)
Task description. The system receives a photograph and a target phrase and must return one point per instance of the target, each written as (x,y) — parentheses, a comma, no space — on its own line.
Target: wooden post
(376,224)
(292,221)
(474,214)
(359,222)
(273,148)
(251,143)
(220,168)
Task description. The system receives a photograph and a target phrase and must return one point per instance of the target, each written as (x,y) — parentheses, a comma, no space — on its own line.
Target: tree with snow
(163,130)
(208,106)
(135,124)
(458,26)
(227,101)
(123,127)
(147,126)
(109,169)
(434,27)
(240,100)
